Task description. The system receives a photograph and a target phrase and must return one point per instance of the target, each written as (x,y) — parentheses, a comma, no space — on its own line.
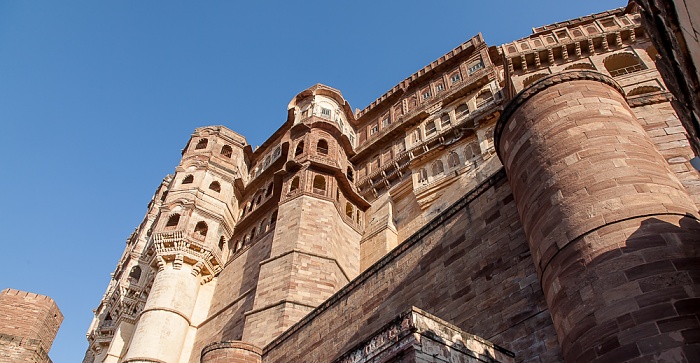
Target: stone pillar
(613,234)
(162,327)
(231,351)
(116,348)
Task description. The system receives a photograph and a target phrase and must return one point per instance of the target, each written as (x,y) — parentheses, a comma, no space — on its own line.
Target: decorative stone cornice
(541,85)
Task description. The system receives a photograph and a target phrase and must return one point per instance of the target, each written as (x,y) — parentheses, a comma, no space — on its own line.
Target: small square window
(455,78)
(374,129)
(426,95)
(325,112)
(440,87)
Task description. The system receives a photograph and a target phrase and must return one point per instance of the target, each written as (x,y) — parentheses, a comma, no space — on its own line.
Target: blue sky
(97,98)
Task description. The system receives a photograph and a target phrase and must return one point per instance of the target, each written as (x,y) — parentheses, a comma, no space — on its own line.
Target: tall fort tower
(530,202)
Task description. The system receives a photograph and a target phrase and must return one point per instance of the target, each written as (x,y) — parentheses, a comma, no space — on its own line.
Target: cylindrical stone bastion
(613,233)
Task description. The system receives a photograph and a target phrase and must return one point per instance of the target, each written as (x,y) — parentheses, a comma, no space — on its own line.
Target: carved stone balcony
(185,247)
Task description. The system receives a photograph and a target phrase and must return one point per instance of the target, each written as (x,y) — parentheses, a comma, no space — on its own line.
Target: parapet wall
(28,325)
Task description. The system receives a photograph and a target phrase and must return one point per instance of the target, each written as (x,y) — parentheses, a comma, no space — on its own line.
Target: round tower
(231,351)
(188,242)
(611,230)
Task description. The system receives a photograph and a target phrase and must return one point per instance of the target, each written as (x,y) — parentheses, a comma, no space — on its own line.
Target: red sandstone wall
(234,295)
(671,140)
(474,270)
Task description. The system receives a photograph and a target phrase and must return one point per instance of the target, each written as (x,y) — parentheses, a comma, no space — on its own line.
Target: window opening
(438,168)
(201,228)
(322,147)
(319,185)
(226,151)
(453,159)
(201,144)
(135,273)
(294,185)
(173,220)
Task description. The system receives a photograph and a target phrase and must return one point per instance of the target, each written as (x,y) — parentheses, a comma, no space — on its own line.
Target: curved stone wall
(606,219)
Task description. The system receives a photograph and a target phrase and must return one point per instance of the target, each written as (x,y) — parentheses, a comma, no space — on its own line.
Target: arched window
(445,121)
(322,147)
(348,209)
(300,148)
(201,144)
(239,244)
(472,150)
(226,151)
(252,233)
(422,175)
(266,162)
(173,220)
(135,273)
(319,184)
(531,79)
(257,200)
(222,241)
(462,111)
(201,228)
(294,185)
(188,179)
(350,174)
(453,159)
(215,186)
(269,190)
(483,97)
(438,168)
(622,63)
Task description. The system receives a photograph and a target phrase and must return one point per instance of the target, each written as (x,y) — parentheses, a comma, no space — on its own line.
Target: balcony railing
(626,70)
